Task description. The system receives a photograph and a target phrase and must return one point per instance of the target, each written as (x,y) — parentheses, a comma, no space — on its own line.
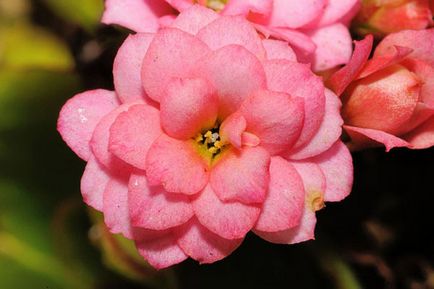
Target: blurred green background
(380,237)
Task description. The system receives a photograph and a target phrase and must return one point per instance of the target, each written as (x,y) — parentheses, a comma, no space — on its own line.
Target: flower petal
(381,62)
(133,133)
(423,136)
(425,74)
(340,80)
(128,65)
(176,165)
(230,220)
(116,213)
(80,115)
(337,167)
(137,15)
(298,80)
(335,10)
(314,180)
(244,7)
(235,73)
(241,175)
(189,106)
(203,245)
(172,53)
(93,183)
(284,205)
(303,232)
(383,101)
(421,42)
(277,49)
(227,30)
(194,18)
(327,134)
(365,137)
(232,129)
(334,46)
(276,118)
(294,13)
(160,249)
(155,209)
(100,138)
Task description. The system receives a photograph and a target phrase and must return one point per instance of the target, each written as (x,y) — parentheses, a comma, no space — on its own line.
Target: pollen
(210,141)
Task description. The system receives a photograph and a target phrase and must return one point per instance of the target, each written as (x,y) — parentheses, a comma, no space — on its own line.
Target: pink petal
(230,220)
(194,18)
(180,5)
(276,118)
(314,182)
(155,209)
(298,81)
(295,14)
(301,43)
(176,165)
(189,106)
(337,167)
(80,115)
(229,30)
(284,205)
(383,101)
(334,46)
(277,49)
(423,136)
(235,73)
(161,250)
(93,183)
(100,138)
(128,65)
(327,134)
(335,10)
(172,53)
(313,177)
(232,129)
(116,213)
(421,42)
(382,62)
(244,7)
(425,74)
(340,80)
(303,232)
(365,137)
(133,133)
(137,15)
(203,245)
(241,175)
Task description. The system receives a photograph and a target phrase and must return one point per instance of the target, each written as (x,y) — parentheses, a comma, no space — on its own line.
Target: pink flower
(316,29)
(211,133)
(382,17)
(390,99)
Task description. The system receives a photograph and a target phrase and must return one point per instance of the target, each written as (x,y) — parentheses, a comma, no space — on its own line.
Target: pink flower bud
(389,99)
(382,17)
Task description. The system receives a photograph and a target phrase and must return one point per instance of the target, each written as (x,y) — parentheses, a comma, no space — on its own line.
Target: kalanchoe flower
(211,133)
(389,99)
(382,17)
(316,29)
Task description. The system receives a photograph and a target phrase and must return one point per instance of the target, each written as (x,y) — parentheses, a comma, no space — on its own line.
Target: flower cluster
(218,125)
(316,29)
